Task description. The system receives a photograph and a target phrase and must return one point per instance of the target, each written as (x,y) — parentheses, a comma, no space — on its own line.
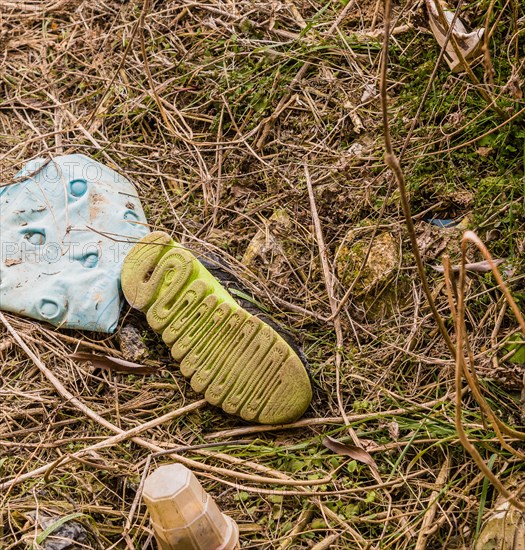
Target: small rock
(131,344)
(69,535)
(372,292)
(381,263)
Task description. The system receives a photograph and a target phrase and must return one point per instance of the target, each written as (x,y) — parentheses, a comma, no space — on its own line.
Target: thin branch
(461,369)
(393,163)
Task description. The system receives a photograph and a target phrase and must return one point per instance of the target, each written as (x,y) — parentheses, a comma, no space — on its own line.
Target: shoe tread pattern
(234,358)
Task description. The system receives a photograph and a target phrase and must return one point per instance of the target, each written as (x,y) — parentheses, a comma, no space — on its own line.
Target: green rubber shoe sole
(234,358)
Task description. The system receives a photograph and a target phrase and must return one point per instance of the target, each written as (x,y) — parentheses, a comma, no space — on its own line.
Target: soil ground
(256,126)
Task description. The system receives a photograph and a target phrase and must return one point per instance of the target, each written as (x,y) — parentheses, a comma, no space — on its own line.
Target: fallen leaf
(478,267)
(113,363)
(516,345)
(357,453)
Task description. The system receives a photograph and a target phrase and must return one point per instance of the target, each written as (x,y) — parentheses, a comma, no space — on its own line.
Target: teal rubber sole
(234,358)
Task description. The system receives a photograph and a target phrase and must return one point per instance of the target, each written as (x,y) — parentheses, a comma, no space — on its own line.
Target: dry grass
(213,110)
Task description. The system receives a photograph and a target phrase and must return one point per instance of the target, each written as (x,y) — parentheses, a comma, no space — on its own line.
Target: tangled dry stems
(214,111)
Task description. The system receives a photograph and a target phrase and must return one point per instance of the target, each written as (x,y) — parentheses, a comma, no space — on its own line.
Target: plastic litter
(183,515)
(469,43)
(64,233)
(442,223)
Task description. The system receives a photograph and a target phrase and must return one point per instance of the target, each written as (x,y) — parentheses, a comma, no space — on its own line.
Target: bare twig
(428,519)
(392,161)
(463,369)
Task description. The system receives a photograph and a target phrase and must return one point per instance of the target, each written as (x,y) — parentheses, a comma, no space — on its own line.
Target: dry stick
(393,163)
(70,398)
(495,332)
(430,80)
(302,491)
(486,52)
(430,514)
(471,376)
(329,283)
(110,441)
(328,420)
(239,462)
(79,342)
(450,286)
(501,10)
(304,518)
(221,456)
(461,369)
(328,541)
(219,160)
(136,500)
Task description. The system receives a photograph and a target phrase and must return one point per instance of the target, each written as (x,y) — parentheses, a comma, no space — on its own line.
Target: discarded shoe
(236,359)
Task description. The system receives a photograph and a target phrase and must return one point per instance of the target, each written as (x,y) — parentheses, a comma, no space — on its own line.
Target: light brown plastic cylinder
(183,515)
